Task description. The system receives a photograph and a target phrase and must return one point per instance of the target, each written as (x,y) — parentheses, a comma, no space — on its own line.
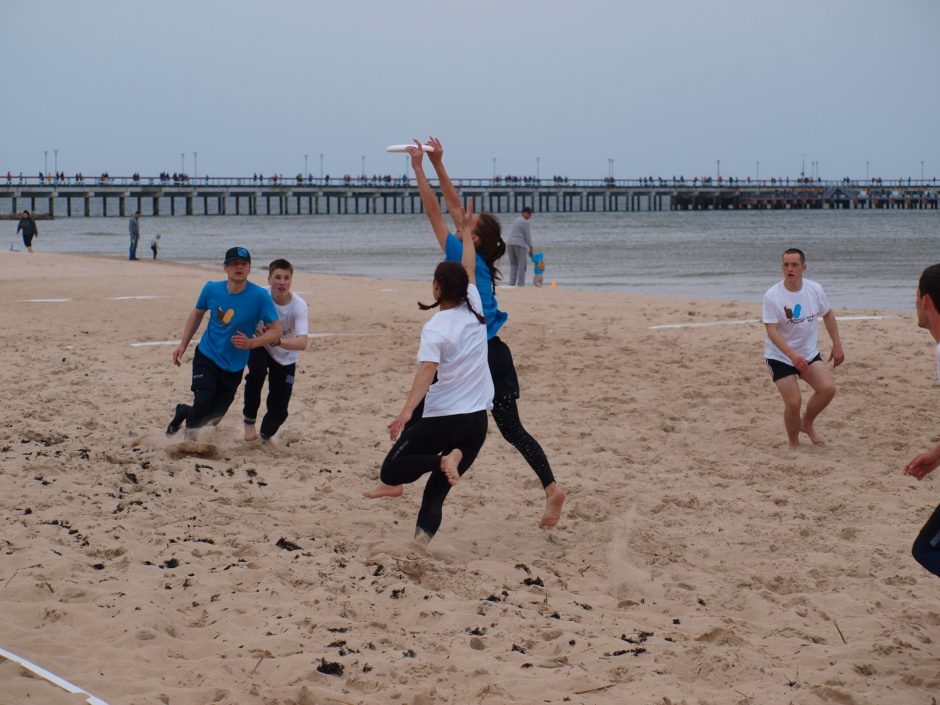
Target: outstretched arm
(432,208)
(189,330)
(469,257)
(451,197)
(424,377)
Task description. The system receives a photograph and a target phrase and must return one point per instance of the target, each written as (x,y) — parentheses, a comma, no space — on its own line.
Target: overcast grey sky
(663,88)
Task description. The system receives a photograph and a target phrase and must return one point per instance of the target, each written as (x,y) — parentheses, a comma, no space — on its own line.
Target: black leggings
(927,546)
(506,415)
(418,451)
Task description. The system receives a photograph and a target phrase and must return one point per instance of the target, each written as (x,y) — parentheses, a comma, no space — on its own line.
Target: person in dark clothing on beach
(926,549)
(234,306)
(28,227)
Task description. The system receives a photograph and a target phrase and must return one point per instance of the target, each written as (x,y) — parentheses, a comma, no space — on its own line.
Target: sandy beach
(698,560)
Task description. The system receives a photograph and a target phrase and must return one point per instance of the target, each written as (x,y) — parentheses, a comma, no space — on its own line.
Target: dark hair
(796,251)
(452,279)
(280,264)
(491,246)
(929,284)
(28,214)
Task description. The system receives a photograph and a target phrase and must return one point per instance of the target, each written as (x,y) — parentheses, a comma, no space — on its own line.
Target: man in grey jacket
(519,245)
(133,227)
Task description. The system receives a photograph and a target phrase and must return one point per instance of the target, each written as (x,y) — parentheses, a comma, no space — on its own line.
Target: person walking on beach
(519,246)
(791,312)
(276,361)
(235,305)
(155,245)
(926,549)
(133,228)
(453,384)
(488,241)
(27,226)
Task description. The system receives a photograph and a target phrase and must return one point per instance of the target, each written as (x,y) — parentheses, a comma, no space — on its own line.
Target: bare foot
(553,503)
(449,465)
(813,436)
(383,490)
(250,433)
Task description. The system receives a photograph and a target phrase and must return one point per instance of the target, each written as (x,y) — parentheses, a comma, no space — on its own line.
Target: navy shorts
(779,370)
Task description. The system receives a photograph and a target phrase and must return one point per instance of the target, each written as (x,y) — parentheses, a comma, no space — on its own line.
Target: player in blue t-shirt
(235,305)
(487,239)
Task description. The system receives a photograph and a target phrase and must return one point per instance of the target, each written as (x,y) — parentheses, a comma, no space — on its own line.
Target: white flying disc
(404,147)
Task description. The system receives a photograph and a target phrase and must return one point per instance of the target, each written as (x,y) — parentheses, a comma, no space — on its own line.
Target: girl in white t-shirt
(454,380)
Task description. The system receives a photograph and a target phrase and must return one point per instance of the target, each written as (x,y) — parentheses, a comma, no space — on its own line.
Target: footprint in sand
(192,448)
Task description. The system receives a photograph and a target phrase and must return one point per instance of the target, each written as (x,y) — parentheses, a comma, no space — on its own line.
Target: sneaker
(174,426)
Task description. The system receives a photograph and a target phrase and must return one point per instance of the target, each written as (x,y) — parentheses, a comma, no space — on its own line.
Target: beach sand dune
(698,561)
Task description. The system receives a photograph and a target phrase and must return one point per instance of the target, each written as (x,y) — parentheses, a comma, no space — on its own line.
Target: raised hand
(417,155)
(437,156)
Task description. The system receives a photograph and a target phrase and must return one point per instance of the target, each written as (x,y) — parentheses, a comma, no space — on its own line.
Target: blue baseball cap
(237,253)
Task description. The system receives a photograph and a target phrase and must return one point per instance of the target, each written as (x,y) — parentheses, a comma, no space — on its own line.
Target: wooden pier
(245,196)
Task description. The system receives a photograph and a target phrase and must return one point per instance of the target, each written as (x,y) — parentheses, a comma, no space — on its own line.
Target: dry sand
(698,561)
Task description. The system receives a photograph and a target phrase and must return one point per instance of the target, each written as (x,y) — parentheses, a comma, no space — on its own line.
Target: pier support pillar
(52,206)
(68,206)
(104,206)
(87,206)
(156,205)
(121,206)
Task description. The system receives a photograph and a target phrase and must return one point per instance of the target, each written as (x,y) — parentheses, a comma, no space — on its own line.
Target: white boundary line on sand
(749,320)
(132,298)
(43,301)
(148,343)
(51,677)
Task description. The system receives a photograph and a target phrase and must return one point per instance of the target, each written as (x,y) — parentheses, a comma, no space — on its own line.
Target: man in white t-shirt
(792,309)
(278,361)
(926,548)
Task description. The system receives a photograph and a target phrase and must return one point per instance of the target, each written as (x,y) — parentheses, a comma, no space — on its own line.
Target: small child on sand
(538,259)
(155,245)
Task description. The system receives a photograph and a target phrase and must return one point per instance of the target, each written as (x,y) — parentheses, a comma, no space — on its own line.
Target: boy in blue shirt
(235,305)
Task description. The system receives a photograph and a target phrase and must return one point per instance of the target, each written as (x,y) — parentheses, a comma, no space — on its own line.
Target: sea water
(864,259)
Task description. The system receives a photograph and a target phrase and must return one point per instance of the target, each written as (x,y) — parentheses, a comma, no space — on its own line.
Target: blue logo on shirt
(796,311)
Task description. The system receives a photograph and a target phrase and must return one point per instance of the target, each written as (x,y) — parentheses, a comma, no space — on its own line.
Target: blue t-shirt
(484,281)
(229,314)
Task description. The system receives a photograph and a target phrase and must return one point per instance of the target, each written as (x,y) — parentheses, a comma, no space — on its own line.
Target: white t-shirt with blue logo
(229,314)
(798,314)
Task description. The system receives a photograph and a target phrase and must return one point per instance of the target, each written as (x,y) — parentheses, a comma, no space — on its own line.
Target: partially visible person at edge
(452,383)
(487,240)
(28,227)
(276,361)
(133,229)
(236,305)
(519,246)
(926,549)
(791,312)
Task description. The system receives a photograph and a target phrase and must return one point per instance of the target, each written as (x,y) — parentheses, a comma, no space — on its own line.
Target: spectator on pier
(28,227)
(133,228)
(519,246)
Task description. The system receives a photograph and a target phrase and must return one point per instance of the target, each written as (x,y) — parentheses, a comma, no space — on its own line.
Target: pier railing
(268,182)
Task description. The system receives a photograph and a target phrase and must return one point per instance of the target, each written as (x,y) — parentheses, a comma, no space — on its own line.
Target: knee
(791,405)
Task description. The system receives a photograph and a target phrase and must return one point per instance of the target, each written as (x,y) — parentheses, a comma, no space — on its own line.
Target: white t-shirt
(456,341)
(293,318)
(798,314)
